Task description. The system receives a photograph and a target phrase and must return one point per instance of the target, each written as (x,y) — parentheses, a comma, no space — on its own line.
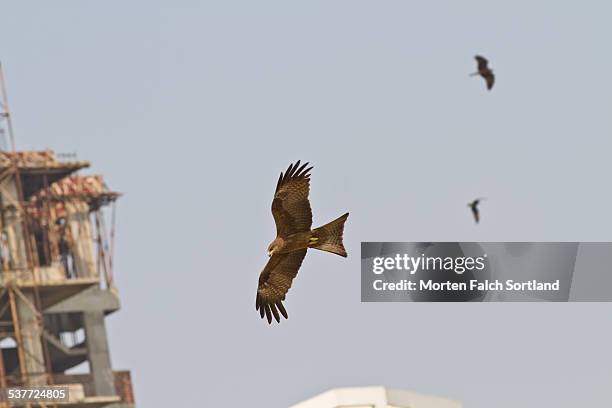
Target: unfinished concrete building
(56,282)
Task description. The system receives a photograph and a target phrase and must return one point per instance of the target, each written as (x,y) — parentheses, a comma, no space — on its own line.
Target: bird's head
(272,248)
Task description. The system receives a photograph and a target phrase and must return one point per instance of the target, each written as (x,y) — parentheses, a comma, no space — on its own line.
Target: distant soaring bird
(293,218)
(484,71)
(474,206)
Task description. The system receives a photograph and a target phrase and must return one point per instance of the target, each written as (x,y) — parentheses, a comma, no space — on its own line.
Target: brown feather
(268,314)
(490,78)
(485,72)
(275,312)
(281,308)
(482,62)
(275,281)
(290,206)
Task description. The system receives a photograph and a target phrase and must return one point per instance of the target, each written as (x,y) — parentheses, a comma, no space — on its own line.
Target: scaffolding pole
(23,215)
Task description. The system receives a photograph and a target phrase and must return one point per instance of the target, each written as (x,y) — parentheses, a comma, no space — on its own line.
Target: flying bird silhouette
(293,219)
(484,71)
(474,206)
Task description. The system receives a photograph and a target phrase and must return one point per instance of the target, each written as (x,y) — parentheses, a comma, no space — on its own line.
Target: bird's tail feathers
(329,237)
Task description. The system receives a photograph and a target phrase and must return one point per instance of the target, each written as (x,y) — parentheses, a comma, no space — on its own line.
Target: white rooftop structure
(375,397)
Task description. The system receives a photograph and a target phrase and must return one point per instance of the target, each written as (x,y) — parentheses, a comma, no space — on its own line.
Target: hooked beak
(270,253)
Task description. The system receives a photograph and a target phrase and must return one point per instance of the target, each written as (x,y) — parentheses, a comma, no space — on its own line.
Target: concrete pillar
(16,243)
(31,338)
(14,230)
(98,353)
(82,238)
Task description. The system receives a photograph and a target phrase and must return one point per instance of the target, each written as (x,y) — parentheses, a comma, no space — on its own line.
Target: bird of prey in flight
(484,71)
(474,206)
(293,219)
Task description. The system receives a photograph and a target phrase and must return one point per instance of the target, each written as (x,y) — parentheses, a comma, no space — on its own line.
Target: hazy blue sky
(193,110)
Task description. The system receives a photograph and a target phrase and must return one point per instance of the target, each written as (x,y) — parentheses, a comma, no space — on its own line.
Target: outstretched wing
(490,78)
(290,206)
(482,63)
(476,213)
(274,283)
